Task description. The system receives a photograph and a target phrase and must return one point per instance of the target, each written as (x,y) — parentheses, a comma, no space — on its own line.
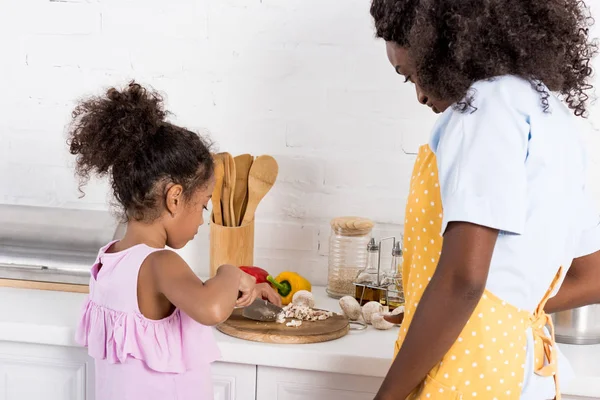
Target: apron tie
(543,343)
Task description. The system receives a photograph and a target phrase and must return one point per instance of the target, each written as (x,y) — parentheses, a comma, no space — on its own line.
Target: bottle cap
(397,250)
(372,246)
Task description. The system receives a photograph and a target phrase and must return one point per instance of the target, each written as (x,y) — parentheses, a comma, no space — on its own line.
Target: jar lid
(352,226)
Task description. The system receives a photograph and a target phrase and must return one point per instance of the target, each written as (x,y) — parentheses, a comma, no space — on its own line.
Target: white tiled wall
(303,80)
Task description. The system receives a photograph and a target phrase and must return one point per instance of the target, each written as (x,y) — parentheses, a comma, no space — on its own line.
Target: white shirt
(511,166)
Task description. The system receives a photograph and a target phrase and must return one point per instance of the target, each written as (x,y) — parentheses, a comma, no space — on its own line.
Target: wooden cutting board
(272,332)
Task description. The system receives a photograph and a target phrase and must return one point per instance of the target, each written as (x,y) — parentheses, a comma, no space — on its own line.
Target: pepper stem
(282,288)
(278,285)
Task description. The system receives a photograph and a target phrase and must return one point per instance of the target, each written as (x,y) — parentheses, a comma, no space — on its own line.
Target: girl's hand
(248,289)
(265,291)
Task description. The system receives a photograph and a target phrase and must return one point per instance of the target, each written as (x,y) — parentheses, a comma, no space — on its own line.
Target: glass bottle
(392,279)
(367,288)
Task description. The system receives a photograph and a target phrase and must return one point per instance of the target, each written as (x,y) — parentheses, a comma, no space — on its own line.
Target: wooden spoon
(228,186)
(217,191)
(232,180)
(240,194)
(261,178)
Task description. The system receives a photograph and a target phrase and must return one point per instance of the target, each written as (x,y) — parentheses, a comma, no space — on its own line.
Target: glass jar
(347,253)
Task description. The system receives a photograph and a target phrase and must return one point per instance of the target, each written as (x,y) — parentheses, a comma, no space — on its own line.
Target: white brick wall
(303,80)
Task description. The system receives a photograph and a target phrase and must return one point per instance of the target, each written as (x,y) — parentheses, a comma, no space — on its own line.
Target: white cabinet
(234,381)
(33,372)
(291,384)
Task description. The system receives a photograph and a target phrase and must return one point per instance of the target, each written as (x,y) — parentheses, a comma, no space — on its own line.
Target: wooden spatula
(240,194)
(228,185)
(261,178)
(216,196)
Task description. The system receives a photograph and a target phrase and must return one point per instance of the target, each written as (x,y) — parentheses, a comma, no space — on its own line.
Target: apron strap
(543,343)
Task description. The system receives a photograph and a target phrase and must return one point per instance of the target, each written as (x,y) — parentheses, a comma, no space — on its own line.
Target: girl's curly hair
(124,135)
(455,43)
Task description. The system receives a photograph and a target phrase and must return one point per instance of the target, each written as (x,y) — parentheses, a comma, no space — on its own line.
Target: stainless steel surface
(357,325)
(262,310)
(52,244)
(578,326)
(44,274)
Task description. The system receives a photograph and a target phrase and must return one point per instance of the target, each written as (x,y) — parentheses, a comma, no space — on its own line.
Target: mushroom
(370,309)
(379,322)
(303,298)
(350,308)
(397,310)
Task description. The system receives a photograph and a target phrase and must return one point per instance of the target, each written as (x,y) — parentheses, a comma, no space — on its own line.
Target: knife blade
(261,310)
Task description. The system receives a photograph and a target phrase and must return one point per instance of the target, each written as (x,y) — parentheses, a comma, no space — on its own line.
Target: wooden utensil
(218,190)
(271,332)
(240,194)
(232,180)
(261,178)
(228,182)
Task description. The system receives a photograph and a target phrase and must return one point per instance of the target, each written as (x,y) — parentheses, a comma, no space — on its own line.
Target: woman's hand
(265,291)
(394,319)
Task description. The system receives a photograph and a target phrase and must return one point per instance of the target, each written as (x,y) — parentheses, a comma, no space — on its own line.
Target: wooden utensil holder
(231,245)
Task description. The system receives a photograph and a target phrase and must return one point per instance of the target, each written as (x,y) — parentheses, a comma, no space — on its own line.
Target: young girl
(147,316)
(498,219)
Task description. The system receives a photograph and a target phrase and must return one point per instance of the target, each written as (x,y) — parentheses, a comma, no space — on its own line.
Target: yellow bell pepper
(287,284)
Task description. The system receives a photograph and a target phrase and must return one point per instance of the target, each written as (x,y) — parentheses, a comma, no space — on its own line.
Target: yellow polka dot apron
(488,359)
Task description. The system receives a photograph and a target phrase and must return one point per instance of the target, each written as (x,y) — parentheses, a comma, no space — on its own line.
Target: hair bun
(137,112)
(110,130)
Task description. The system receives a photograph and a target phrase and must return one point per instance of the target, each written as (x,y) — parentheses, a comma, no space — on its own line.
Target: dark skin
(580,287)
(447,304)
(165,280)
(459,282)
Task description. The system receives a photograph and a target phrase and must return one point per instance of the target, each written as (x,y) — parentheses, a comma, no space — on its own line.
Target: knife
(261,310)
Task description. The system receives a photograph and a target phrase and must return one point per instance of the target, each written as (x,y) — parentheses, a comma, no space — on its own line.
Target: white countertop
(50,318)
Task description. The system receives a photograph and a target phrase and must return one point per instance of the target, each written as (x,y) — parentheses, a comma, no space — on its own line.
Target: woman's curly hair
(455,43)
(124,135)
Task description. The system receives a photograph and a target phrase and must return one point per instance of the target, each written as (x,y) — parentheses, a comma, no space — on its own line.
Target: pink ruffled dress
(137,358)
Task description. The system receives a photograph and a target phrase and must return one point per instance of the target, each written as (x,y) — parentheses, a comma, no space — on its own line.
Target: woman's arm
(447,304)
(208,303)
(580,287)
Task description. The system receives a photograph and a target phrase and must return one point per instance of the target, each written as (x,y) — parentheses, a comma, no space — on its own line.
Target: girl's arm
(208,303)
(580,287)
(447,304)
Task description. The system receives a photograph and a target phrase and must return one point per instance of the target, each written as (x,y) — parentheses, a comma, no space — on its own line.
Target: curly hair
(456,43)
(124,135)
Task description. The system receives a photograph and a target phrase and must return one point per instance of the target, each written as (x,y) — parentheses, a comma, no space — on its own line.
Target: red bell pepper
(258,273)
